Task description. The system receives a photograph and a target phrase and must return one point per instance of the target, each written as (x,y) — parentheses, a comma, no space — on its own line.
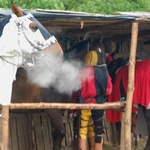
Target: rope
(8,61)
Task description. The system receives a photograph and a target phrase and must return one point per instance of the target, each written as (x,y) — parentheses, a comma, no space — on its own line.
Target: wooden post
(5,128)
(122,140)
(130,90)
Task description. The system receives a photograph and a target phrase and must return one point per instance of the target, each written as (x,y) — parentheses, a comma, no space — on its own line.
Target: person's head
(91,58)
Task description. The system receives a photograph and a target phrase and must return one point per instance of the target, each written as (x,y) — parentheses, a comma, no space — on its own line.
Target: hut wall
(122,49)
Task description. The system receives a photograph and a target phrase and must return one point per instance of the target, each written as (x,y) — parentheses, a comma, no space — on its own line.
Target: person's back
(95,85)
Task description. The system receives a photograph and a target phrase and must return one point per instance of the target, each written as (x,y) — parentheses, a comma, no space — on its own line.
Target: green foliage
(91,6)
(32,4)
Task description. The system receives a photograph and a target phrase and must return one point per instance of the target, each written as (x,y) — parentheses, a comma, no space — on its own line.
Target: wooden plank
(38,132)
(13,133)
(68,140)
(50,132)
(46,134)
(67,134)
(71,133)
(32,142)
(10,142)
(26,130)
(22,142)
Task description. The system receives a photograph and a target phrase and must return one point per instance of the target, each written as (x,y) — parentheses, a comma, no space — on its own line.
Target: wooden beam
(130,89)
(112,106)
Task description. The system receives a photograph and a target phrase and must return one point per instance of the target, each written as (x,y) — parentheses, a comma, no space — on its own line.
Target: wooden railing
(5,113)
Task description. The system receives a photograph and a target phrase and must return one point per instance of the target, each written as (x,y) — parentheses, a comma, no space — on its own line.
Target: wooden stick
(130,90)
(5,128)
(112,106)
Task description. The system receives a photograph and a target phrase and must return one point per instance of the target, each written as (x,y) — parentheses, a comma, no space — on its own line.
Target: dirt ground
(109,146)
(141,144)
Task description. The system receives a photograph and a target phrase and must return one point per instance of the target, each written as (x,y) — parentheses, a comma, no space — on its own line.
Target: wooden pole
(5,128)
(112,105)
(130,90)
(122,140)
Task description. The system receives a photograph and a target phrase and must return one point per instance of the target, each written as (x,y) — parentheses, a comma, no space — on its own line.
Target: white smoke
(64,77)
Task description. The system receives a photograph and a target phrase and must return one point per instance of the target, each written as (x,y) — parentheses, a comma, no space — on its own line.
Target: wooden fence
(7,132)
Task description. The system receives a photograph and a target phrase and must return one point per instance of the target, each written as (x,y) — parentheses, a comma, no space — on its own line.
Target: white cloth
(7,75)
(10,59)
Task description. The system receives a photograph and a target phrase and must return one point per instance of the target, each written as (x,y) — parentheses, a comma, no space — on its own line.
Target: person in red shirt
(95,86)
(86,129)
